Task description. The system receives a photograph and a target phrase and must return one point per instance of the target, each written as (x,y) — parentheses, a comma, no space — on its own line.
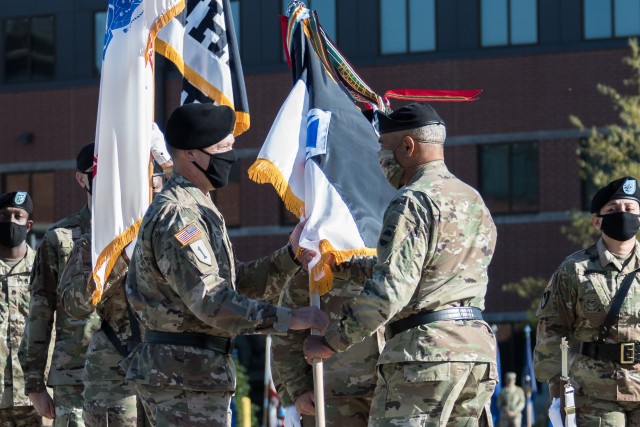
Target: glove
(292,417)
(158,147)
(555,415)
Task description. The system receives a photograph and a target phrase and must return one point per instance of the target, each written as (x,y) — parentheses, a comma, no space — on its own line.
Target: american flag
(188,234)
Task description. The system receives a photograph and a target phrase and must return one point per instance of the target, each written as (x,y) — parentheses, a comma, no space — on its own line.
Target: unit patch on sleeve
(188,234)
(200,250)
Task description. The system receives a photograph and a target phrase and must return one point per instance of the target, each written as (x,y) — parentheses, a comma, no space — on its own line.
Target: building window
(508,22)
(29,49)
(99,29)
(228,198)
(40,186)
(326,10)
(509,177)
(603,19)
(407,26)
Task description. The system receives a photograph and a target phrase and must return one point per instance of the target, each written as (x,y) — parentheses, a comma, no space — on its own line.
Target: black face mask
(219,167)
(12,234)
(620,226)
(90,179)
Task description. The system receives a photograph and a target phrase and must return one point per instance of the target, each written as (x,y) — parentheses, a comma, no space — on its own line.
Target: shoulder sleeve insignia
(545,299)
(201,251)
(188,234)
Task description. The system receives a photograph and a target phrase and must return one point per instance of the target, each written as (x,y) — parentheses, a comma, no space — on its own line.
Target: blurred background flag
(120,186)
(202,43)
(529,382)
(495,409)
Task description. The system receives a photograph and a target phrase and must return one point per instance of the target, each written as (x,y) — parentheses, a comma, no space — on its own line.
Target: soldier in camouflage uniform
(16,260)
(184,283)
(71,336)
(108,398)
(349,378)
(438,365)
(605,370)
(511,401)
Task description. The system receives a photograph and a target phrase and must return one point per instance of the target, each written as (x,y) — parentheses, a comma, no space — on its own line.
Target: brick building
(538,61)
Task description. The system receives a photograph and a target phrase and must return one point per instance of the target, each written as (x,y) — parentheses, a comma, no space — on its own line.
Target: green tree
(607,153)
(612,151)
(242,390)
(529,288)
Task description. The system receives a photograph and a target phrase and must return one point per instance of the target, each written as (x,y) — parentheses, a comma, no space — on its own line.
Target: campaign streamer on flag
(123,129)
(202,43)
(321,157)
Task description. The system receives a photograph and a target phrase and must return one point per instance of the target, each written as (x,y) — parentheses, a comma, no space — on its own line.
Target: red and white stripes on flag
(202,43)
(123,130)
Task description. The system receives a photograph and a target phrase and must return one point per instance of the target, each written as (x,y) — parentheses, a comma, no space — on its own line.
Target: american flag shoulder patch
(188,234)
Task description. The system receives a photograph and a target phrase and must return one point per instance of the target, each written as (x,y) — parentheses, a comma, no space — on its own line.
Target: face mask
(90,181)
(12,234)
(620,226)
(390,167)
(219,167)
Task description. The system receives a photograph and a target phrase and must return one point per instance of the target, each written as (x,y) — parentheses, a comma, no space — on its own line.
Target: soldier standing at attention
(188,293)
(349,377)
(511,401)
(109,400)
(16,260)
(593,299)
(71,336)
(438,366)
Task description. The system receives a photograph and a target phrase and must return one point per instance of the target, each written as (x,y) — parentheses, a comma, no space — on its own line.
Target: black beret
(199,125)
(17,199)
(84,159)
(410,116)
(622,188)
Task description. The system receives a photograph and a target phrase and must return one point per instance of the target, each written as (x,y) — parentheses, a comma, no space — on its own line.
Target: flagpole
(318,375)
(267,379)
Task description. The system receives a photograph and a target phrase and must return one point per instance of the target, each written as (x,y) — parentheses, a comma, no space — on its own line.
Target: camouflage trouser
(515,421)
(110,403)
(348,411)
(432,394)
(171,407)
(606,413)
(20,416)
(68,402)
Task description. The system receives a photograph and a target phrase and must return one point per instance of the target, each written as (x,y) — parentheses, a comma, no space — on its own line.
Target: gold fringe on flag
(321,274)
(110,255)
(263,171)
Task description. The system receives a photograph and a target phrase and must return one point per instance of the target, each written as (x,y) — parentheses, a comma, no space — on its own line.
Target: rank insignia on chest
(188,234)
(590,304)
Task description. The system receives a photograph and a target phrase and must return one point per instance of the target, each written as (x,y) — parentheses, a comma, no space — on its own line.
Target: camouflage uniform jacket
(348,374)
(436,243)
(75,294)
(14,310)
(183,277)
(574,305)
(71,336)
